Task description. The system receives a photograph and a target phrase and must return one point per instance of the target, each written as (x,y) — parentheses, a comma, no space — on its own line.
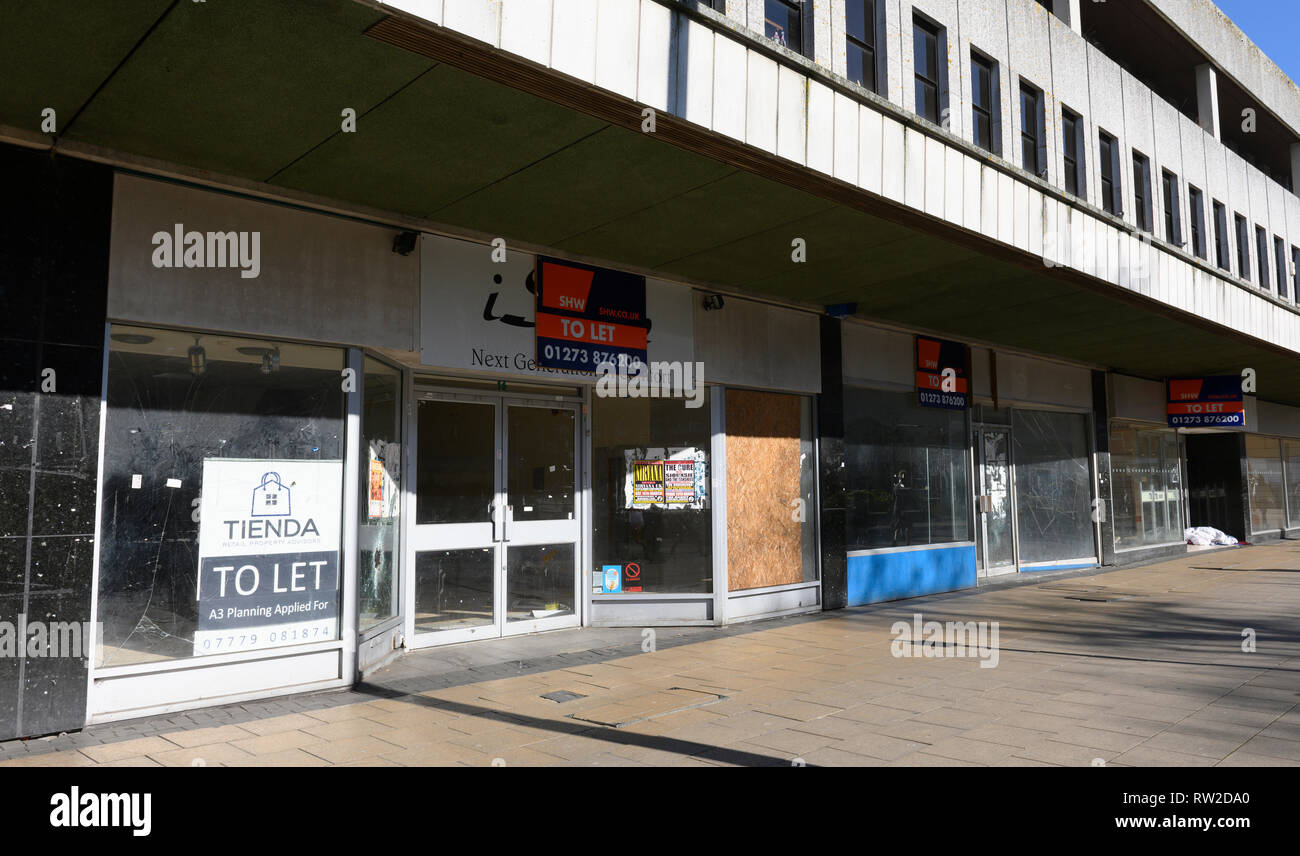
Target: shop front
(995,476)
(357,449)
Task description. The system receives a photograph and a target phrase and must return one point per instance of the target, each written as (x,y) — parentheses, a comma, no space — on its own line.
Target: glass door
(997,513)
(493,540)
(540,511)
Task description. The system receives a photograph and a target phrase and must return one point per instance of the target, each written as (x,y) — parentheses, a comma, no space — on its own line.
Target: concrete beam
(1207,98)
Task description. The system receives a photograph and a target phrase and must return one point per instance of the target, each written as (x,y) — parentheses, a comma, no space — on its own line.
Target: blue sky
(1274,25)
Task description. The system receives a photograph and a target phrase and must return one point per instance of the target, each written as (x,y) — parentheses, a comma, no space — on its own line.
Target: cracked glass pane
(175,401)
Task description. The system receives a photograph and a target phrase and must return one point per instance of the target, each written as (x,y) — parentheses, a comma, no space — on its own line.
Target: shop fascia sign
(942,374)
(1216,401)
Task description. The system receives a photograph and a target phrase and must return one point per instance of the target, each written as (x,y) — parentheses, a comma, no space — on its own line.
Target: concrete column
(1207,100)
(1068,11)
(1295,174)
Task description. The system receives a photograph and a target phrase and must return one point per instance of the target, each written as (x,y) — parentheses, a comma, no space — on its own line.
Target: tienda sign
(941,374)
(588,316)
(1205,402)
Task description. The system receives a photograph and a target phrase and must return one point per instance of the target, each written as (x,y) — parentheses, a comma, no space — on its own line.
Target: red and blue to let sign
(1206,402)
(587,316)
(941,374)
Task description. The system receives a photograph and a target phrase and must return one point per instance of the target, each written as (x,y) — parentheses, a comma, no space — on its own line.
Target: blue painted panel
(1075,566)
(891,576)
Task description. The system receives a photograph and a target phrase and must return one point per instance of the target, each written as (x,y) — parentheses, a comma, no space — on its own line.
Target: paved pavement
(1138,667)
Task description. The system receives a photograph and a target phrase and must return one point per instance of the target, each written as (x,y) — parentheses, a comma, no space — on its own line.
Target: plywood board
(764,540)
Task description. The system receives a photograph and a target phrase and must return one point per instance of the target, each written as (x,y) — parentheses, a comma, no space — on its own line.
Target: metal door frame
(500,523)
(979,428)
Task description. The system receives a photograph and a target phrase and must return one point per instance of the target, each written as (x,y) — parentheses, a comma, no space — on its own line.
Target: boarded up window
(771,536)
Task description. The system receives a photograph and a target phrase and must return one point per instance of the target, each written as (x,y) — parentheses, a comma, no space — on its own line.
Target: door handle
(492,516)
(505,524)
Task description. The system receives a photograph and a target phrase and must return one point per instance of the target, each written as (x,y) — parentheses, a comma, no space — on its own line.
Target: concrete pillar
(1207,99)
(1295,173)
(1068,11)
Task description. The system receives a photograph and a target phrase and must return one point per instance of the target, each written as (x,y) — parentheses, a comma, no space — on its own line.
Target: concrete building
(306,304)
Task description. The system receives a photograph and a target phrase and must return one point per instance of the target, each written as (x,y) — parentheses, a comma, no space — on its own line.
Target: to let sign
(1206,402)
(941,374)
(587,316)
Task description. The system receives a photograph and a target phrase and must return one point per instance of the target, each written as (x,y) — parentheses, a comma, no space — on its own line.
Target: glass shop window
(221,509)
(907,475)
(381,480)
(1146,492)
(651,494)
(1267,501)
(1053,486)
(1291,448)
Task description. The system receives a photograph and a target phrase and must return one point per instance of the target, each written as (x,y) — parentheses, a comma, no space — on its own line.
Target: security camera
(404,243)
(713,301)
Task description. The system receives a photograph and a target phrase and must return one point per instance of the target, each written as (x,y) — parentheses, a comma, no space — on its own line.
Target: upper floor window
(1279,253)
(1261,255)
(1142,191)
(1295,273)
(1197,210)
(1243,246)
(925,57)
(1222,255)
(783,23)
(716,5)
(1031,130)
(984,102)
(1108,161)
(1169,188)
(1072,152)
(860,41)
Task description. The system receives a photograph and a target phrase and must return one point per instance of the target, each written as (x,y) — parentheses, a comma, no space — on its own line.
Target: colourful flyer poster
(679,482)
(376,489)
(647,482)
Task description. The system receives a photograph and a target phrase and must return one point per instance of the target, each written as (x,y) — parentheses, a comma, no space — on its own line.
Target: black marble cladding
(54,245)
(830,463)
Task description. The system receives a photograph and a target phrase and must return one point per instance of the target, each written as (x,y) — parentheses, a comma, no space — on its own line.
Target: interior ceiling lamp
(198,358)
(270,357)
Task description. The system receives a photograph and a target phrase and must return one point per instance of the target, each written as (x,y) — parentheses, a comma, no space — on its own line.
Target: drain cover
(650,705)
(561,696)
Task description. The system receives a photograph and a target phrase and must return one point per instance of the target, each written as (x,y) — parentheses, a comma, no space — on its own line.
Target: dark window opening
(1108,155)
(1072,150)
(1243,246)
(783,23)
(1295,273)
(1279,253)
(1197,210)
(860,42)
(984,103)
(1142,191)
(1261,256)
(1173,228)
(1221,254)
(1031,130)
(925,57)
